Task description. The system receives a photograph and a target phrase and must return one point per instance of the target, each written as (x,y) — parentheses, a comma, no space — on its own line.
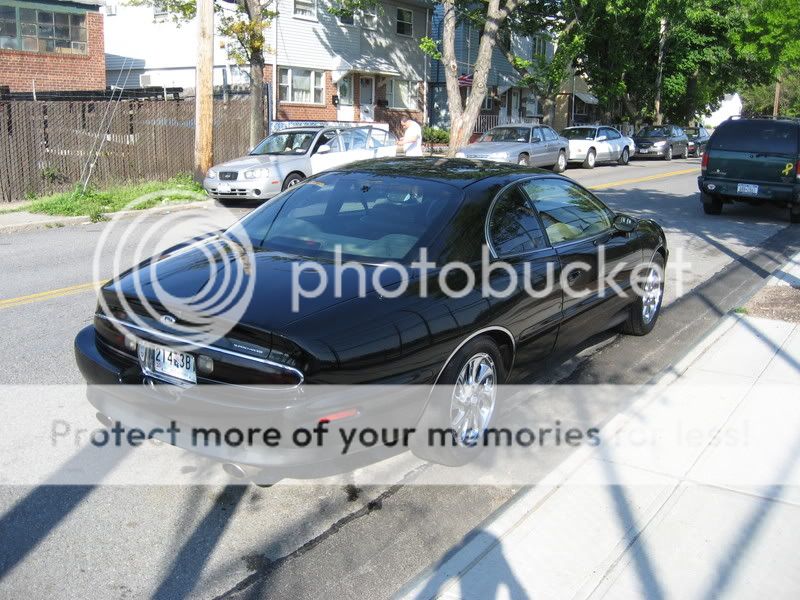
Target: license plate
(224,188)
(644,150)
(747,188)
(164,361)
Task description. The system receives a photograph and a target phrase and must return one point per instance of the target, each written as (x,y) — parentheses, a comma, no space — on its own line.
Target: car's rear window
(771,137)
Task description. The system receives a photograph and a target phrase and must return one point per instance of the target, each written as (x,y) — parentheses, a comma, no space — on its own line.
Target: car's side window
(550,135)
(612,134)
(513,226)
(330,138)
(568,211)
(536,132)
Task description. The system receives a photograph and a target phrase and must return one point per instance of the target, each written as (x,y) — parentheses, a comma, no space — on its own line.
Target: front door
(366,92)
(514,106)
(345,111)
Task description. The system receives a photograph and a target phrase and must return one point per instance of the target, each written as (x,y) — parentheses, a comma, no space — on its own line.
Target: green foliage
(771,35)
(434,135)
(430,47)
(95,203)
(758,99)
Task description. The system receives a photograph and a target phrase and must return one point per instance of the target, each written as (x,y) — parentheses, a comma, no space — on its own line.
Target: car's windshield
(506,134)
(692,132)
(579,133)
(373,218)
(286,142)
(654,132)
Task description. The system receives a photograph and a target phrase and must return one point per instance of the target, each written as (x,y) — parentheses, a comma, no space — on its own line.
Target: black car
(755,161)
(698,139)
(517,224)
(661,141)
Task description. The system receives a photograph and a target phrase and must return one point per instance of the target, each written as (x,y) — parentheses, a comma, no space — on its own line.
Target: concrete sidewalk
(694,492)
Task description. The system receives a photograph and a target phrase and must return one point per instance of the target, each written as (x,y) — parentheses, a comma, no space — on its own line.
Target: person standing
(412,137)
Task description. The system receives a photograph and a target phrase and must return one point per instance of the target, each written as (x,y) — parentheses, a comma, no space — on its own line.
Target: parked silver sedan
(529,145)
(287,157)
(592,144)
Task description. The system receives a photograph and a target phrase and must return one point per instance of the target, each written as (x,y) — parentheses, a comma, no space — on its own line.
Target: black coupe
(551,252)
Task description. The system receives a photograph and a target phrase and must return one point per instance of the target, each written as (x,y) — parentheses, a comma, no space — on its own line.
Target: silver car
(591,144)
(528,145)
(288,156)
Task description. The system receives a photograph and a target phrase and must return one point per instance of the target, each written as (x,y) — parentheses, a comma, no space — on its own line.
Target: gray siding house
(506,101)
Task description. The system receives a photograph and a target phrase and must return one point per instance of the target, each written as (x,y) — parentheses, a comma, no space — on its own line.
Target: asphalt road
(304,540)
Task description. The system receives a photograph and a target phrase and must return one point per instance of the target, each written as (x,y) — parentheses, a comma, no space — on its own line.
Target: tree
(759,99)
(243,27)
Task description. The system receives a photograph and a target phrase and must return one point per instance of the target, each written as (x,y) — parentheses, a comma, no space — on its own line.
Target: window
(42,30)
(347,20)
(405,22)
(286,142)
(777,137)
(301,85)
(549,134)
(487,101)
(539,46)
(513,226)
(305,8)
(568,212)
(402,94)
(369,18)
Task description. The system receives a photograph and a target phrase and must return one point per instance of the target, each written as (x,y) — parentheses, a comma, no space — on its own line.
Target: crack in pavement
(264,566)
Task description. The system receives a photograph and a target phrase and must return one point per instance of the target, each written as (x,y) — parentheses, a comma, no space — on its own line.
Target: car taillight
(704,161)
(797,170)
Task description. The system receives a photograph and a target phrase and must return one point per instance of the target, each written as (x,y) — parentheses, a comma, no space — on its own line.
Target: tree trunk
(463,118)
(776,103)
(204,90)
(257,122)
(662,40)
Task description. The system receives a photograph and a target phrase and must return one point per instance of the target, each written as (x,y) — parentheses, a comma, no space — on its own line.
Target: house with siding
(506,101)
(364,68)
(51,45)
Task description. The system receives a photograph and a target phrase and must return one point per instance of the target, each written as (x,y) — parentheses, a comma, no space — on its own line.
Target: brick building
(51,45)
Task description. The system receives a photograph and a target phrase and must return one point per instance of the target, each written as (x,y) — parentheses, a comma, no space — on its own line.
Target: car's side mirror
(520,139)
(602,138)
(324,149)
(535,140)
(624,223)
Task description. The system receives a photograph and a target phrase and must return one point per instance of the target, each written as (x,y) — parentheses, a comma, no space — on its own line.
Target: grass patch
(740,310)
(139,196)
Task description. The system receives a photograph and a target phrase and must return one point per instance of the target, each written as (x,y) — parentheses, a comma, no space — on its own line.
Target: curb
(498,525)
(56,221)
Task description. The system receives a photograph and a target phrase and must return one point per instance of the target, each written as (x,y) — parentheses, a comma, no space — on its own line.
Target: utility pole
(776,105)
(204,90)
(662,41)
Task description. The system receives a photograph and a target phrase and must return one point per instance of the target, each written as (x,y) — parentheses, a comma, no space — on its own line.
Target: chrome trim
(175,338)
(474,335)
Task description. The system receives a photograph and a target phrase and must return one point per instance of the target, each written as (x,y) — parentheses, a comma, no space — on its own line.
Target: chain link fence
(48,147)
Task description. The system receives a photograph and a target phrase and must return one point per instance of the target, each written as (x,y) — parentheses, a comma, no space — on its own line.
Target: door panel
(367,98)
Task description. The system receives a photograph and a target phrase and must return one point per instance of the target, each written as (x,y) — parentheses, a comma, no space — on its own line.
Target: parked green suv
(755,161)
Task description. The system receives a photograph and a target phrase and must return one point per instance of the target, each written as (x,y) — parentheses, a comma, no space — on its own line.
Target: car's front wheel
(668,153)
(625,157)
(524,160)
(462,406)
(561,163)
(590,160)
(645,310)
(292,180)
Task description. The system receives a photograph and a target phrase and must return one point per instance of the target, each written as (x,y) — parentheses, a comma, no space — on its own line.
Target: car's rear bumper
(254,189)
(232,408)
(781,194)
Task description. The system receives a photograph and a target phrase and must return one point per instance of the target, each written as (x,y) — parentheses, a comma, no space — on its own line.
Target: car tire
(292,180)
(445,411)
(668,153)
(712,205)
(645,310)
(590,160)
(794,214)
(625,157)
(561,163)
(685,153)
(524,160)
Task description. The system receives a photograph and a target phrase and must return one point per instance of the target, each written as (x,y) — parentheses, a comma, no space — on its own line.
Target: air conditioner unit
(145,81)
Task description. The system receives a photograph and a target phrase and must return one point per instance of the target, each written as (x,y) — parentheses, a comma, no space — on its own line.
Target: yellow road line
(48,295)
(601,186)
(82,287)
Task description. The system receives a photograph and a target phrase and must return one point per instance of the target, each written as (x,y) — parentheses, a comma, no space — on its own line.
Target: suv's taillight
(797,170)
(704,161)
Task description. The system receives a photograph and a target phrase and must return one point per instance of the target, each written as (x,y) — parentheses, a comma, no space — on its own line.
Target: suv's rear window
(775,137)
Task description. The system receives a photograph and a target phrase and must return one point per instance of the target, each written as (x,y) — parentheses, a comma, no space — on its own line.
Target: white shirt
(413,148)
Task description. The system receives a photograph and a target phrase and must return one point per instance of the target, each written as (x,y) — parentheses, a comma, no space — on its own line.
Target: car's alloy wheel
(589,161)
(624,157)
(524,160)
(473,400)
(653,290)
(668,153)
(644,311)
(561,163)
(685,153)
(292,180)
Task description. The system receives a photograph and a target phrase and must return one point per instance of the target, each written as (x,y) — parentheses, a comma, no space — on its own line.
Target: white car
(592,144)
(288,156)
